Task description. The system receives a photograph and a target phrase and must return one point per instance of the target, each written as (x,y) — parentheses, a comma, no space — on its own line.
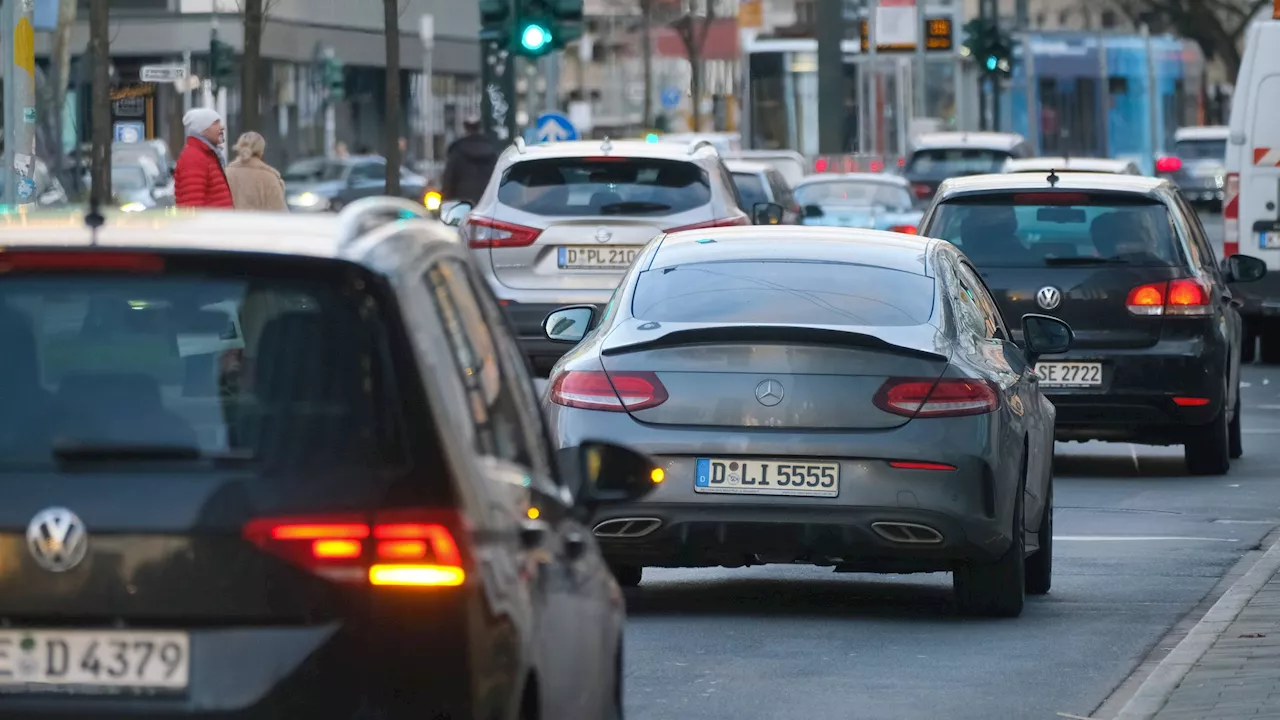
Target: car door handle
(533,533)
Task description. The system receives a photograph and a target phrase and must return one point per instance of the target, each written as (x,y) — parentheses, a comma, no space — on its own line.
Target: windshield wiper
(1084,261)
(89,453)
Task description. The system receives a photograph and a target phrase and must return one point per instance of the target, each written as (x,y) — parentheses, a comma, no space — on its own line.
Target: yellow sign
(24,47)
(751,14)
(937,36)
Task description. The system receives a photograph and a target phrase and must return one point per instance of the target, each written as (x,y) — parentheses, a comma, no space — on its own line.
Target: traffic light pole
(498,94)
(19,104)
(831,86)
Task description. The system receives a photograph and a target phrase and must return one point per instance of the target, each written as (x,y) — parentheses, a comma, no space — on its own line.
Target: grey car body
(330,184)
(788,368)
(761,183)
(1201,172)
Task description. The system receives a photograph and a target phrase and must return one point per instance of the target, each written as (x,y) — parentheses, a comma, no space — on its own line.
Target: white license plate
(767,477)
(93,660)
(1069,374)
(1269,240)
(597,258)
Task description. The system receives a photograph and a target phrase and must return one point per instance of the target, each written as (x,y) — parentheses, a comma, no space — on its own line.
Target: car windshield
(128,178)
(951,162)
(1062,228)
(1201,149)
(866,194)
(751,189)
(604,186)
(316,170)
(269,369)
(816,293)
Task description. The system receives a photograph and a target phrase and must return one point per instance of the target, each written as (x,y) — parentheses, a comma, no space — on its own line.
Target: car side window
(969,315)
(495,412)
(972,286)
(368,172)
(1205,257)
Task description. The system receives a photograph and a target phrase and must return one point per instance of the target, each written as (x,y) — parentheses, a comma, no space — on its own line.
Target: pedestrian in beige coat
(255,185)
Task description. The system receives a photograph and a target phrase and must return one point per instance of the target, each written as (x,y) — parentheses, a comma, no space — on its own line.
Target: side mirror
(767,213)
(452,212)
(614,474)
(1243,268)
(813,211)
(569,324)
(1044,335)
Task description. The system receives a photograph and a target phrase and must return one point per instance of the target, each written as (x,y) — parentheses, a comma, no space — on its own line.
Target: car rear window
(1201,149)
(750,189)
(950,162)
(816,293)
(864,193)
(271,369)
(604,186)
(1062,228)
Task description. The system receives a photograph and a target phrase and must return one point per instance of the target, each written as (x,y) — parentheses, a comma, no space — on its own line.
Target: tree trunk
(100,52)
(391,124)
(58,77)
(646,33)
(250,68)
(695,87)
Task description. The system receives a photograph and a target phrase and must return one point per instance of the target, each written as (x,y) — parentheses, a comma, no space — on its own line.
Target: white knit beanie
(197,120)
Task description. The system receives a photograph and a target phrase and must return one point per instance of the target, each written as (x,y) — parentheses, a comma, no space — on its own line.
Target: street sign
(671,98)
(129,132)
(554,127)
(896,23)
(162,73)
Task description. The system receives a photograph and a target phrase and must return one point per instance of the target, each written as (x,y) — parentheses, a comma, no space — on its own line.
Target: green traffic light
(651,138)
(992,62)
(535,37)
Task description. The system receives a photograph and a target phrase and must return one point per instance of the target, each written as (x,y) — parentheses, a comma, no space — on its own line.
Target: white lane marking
(1137,538)
(1261,431)
(1228,521)
(1267,407)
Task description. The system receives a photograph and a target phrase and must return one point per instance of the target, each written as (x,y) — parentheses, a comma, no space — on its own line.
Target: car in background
(1198,165)
(841,398)
(361,517)
(330,184)
(1044,165)
(1126,262)
(139,186)
(760,184)
(560,223)
(859,200)
(938,156)
(154,151)
(788,162)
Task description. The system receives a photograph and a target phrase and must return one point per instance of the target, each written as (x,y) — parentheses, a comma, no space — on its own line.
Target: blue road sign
(671,98)
(554,127)
(130,132)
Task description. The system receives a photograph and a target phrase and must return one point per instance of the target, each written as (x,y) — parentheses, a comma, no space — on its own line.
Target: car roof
(1005,182)
(1209,132)
(615,148)
(797,243)
(986,140)
(743,166)
(1046,164)
(320,236)
(770,154)
(855,177)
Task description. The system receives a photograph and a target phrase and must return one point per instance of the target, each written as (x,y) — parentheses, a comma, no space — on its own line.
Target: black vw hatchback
(1126,262)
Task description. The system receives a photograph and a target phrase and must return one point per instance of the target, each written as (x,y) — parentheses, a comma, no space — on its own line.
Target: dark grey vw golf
(844,398)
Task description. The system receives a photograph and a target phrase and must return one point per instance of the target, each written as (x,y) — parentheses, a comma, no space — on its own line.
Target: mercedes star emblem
(1049,297)
(603,235)
(769,392)
(57,539)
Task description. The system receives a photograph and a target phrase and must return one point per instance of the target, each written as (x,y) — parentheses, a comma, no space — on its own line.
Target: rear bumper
(1135,402)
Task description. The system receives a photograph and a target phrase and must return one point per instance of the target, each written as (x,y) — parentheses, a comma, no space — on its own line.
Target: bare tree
(391,124)
(100,58)
(250,66)
(693,30)
(1217,26)
(646,54)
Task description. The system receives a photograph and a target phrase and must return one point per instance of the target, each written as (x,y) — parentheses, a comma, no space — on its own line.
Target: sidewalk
(1239,676)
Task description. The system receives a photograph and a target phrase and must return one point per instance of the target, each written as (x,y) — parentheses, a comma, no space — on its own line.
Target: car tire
(1039,571)
(1208,452)
(1234,440)
(628,576)
(996,589)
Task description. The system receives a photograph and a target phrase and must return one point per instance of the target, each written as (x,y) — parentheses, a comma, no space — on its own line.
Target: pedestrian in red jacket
(201,179)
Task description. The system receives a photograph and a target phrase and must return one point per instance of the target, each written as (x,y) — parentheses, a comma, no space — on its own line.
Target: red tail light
(1190,401)
(948,397)
(60,261)
(722,222)
(1176,297)
(922,191)
(820,165)
(877,166)
(613,392)
(1168,164)
(907,229)
(401,547)
(913,465)
(482,232)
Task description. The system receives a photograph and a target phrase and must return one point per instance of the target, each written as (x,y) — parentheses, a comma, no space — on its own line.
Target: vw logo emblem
(603,235)
(57,539)
(1049,297)
(769,392)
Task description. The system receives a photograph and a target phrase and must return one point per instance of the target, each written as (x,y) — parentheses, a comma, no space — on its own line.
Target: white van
(1251,208)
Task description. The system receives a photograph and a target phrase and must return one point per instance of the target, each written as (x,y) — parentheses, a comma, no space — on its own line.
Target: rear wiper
(88,453)
(1084,261)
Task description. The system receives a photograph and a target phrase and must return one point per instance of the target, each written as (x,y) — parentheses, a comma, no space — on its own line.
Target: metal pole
(876,111)
(100,53)
(186,94)
(498,96)
(1104,86)
(19,103)
(428,33)
(330,128)
(831,90)
(921,67)
(1033,93)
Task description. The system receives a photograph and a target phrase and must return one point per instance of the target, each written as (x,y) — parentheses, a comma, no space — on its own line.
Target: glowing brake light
(401,548)
(482,233)
(913,465)
(1168,164)
(905,229)
(75,261)
(1186,296)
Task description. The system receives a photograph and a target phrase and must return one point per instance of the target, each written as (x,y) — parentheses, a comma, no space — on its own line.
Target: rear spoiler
(633,339)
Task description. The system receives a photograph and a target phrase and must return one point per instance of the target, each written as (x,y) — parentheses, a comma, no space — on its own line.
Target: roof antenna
(1053,178)
(94,219)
